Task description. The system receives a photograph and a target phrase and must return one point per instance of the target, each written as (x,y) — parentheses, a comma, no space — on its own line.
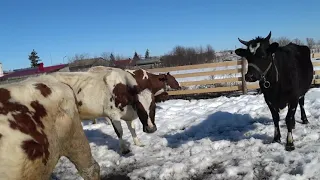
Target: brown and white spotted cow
(113,94)
(158,84)
(144,81)
(39,123)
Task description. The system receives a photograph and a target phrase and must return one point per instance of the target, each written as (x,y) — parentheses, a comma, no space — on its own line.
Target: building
(149,63)
(315,51)
(125,63)
(85,64)
(20,74)
(1,70)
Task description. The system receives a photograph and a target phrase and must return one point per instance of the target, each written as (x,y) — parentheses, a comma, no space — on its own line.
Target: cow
(143,84)
(40,120)
(39,123)
(113,94)
(284,74)
(158,84)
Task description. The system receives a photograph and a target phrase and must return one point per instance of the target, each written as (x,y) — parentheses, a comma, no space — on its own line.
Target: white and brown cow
(40,120)
(113,94)
(39,123)
(144,81)
(157,84)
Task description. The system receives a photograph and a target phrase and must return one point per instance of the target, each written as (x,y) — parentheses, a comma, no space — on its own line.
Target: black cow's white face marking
(253,48)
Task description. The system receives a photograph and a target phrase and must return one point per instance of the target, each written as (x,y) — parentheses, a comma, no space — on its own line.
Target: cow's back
(295,66)
(305,67)
(29,115)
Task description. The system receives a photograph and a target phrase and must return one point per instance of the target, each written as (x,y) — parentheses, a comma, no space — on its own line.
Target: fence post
(243,72)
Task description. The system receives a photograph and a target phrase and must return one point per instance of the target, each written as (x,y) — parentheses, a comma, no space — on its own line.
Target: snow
(220,138)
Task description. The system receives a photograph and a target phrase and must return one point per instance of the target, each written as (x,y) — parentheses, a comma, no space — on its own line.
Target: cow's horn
(268,37)
(243,42)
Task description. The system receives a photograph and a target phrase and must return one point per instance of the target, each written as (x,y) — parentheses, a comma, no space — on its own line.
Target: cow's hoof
(290,147)
(137,142)
(125,151)
(305,121)
(276,141)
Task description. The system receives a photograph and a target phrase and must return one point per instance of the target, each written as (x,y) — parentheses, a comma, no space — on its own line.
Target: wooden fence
(212,84)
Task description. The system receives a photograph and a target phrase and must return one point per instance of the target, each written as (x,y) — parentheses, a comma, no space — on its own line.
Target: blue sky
(60,28)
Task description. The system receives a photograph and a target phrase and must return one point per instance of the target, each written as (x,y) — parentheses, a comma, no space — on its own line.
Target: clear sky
(60,28)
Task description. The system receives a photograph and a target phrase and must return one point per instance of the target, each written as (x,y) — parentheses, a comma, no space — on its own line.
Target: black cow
(284,74)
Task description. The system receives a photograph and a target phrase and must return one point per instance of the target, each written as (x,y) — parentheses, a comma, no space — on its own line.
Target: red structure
(33,71)
(125,63)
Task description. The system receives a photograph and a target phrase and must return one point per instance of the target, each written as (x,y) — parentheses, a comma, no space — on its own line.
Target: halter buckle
(266,84)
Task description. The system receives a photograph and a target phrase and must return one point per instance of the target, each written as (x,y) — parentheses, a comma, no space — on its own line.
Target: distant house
(126,63)
(149,63)
(315,51)
(20,74)
(84,64)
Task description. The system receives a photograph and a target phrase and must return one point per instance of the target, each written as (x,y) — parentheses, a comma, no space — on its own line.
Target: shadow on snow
(100,138)
(221,126)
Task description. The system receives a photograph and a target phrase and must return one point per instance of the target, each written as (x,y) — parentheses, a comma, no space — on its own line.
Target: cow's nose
(248,77)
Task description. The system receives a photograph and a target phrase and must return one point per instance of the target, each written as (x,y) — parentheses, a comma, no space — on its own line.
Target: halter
(165,86)
(266,83)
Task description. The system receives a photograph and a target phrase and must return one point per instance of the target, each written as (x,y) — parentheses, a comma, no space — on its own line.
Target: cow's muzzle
(147,129)
(250,78)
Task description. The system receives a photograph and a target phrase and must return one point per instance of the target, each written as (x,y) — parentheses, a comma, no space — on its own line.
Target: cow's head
(259,56)
(146,110)
(170,80)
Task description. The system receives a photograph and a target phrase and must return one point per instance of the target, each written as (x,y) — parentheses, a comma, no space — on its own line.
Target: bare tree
(179,51)
(272,40)
(297,41)
(310,42)
(79,57)
(120,57)
(283,41)
(106,55)
(209,54)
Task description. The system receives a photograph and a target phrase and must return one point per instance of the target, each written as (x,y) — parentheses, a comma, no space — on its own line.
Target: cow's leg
(275,118)
(119,131)
(78,151)
(132,130)
(303,113)
(290,123)
(94,121)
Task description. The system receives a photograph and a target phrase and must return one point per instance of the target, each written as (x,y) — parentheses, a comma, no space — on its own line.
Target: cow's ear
(273,47)
(241,52)
(162,77)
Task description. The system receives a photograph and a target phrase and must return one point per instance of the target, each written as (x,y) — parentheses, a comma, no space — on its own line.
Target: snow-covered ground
(220,138)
